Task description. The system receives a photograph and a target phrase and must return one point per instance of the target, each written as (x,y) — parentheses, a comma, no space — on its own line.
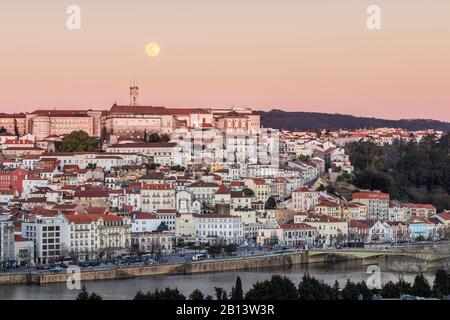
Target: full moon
(152,49)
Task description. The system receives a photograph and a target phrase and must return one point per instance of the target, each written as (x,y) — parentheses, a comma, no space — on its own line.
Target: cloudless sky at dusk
(311,55)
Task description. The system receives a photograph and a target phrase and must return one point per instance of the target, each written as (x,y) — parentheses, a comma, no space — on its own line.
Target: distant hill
(313,120)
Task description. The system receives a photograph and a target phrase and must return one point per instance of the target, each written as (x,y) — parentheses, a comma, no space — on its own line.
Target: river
(126,289)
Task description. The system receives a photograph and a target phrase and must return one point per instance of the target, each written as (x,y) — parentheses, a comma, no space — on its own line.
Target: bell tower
(134,94)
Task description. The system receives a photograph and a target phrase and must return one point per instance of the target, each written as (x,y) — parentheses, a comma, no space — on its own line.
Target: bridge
(432,254)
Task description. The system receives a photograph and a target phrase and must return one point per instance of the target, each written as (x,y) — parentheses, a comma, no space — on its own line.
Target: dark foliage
(408,171)
(312,120)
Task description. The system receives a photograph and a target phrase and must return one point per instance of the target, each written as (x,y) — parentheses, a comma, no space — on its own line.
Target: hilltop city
(84,186)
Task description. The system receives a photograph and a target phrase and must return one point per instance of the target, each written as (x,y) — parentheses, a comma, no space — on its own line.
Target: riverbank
(284,259)
(126,289)
(275,259)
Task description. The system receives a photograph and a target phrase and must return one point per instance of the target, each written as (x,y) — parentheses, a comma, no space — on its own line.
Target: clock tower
(134,94)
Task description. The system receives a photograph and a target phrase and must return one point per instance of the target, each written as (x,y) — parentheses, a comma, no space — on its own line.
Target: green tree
(84,295)
(364,290)
(421,287)
(220,293)
(336,291)
(350,291)
(393,168)
(215,250)
(230,248)
(77,141)
(236,292)
(16,128)
(151,166)
(312,289)
(91,166)
(165,137)
(154,137)
(248,192)
(162,227)
(271,203)
(441,284)
(166,294)
(303,158)
(196,295)
(390,290)
(277,288)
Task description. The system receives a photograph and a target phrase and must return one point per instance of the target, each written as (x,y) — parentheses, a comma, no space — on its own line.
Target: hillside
(314,120)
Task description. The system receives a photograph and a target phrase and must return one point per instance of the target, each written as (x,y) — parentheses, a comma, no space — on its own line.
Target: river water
(126,289)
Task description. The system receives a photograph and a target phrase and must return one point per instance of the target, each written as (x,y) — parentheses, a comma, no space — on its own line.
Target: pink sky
(312,55)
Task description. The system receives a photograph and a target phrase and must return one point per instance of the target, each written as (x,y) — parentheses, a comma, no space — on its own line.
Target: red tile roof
(370,195)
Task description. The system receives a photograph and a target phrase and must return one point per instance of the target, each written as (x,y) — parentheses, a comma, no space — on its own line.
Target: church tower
(134,94)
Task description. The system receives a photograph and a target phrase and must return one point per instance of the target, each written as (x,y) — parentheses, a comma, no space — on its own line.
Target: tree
(91,166)
(277,288)
(16,128)
(166,294)
(350,291)
(303,158)
(2,129)
(162,227)
(441,284)
(248,192)
(336,292)
(177,168)
(312,289)
(77,141)
(236,291)
(165,137)
(154,137)
(364,290)
(390,290)
(84,295)
(421,287)
(271,203)
(151,166)
(145,135)
(393,168)
(196,295)
(215,249)
(230,248)
(219,293)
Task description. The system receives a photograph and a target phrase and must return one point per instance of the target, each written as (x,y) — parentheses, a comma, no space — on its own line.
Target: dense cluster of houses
(139,196)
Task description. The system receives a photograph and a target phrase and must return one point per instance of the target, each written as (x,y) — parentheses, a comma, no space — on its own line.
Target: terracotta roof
(296,226)
(18,238)
(370,195)
(116,109)
(326,203)
(204,184)
(444,216)
(222,190)
(214,216)
(144,145)
(304,189)
(92,193)
(321,218)
(144,216)
(157,186)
